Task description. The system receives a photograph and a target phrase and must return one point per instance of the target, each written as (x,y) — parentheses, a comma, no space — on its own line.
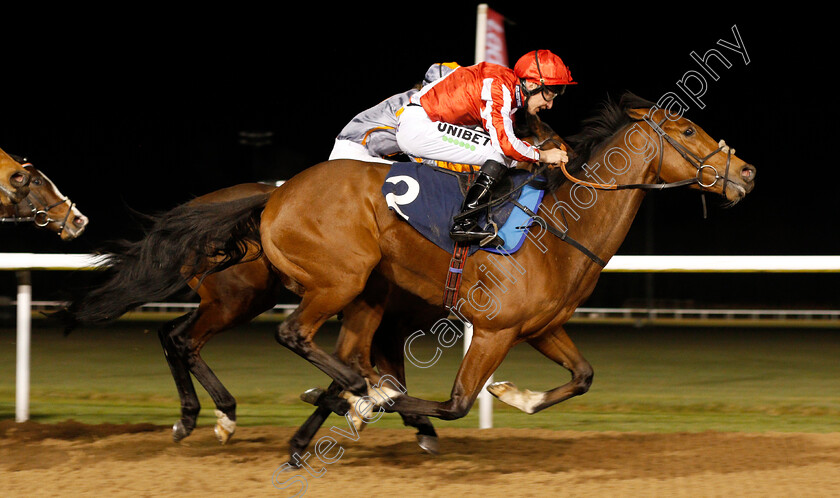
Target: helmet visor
(556,89)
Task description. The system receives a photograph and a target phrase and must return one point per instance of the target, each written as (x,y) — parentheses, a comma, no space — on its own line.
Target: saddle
(428,198)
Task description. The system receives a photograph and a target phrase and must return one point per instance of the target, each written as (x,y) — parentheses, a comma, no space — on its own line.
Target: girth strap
(564,236)
(456,265)
(455,272)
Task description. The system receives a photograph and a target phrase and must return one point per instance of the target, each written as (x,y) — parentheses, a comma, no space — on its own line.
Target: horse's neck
(601,219)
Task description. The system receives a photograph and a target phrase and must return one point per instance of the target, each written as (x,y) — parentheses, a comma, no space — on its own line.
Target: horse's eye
(36,181)
(689,132)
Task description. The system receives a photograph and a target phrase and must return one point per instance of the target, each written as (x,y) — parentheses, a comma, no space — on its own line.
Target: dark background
(143,109)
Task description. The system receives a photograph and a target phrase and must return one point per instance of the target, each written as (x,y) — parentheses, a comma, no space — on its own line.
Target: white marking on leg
(225,427)
(358,421)
(382,394)
(526,400)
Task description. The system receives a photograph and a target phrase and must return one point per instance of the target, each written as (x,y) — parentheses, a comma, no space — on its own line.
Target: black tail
(192,240)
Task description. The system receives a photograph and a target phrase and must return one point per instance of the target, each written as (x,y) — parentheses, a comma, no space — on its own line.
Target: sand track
(73,459)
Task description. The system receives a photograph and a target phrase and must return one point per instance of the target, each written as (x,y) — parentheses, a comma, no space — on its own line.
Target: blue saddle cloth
(428,198)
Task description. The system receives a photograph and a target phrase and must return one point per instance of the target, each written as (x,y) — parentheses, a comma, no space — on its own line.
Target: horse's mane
(606,122)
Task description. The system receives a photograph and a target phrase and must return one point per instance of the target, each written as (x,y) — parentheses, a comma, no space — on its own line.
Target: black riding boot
(466,230)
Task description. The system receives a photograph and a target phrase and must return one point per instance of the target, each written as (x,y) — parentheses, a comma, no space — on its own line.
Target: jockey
(370,135)
(438,123)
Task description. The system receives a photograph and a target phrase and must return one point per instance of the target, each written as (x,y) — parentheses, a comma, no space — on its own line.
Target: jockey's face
(538,101)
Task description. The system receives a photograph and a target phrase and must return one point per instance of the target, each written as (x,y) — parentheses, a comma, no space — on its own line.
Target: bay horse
(327,243)
(363,242)
(14,180)
(45,206)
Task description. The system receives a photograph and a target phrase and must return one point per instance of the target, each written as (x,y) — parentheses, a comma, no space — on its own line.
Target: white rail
(675,264)
(23,263)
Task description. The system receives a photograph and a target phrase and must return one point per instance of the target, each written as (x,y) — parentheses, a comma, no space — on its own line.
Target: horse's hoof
(225,427)
(355,417)
(180,431)
(312,395)
(429,444)
(497,389)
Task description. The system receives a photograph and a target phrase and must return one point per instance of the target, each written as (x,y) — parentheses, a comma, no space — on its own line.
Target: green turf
(649,379)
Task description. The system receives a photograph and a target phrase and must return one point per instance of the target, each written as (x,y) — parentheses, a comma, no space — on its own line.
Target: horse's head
(47,207)
(14,180)
(686,151)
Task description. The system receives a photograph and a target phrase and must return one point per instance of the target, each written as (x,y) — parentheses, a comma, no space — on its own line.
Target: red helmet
(543,68)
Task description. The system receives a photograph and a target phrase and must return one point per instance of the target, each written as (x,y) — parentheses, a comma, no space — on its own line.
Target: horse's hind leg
(388,357)
(362,315)
(229,298)
(175,357)
(203,328)
(327,254)
(182,354)
(353,347)
(557,346)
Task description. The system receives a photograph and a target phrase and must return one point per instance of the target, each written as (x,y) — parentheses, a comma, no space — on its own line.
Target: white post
(24,329)
(485,399)
(481,34)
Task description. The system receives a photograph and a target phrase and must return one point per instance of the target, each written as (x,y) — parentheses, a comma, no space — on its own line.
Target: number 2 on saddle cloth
(429,197)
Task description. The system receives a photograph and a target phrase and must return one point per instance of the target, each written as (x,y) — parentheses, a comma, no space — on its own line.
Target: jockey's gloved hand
(553,157)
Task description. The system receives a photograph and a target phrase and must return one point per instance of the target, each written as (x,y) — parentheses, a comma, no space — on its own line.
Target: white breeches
(419,136)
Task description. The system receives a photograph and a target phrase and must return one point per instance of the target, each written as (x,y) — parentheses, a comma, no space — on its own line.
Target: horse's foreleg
(389,358)
(301,439)
(303,436)
(557,346)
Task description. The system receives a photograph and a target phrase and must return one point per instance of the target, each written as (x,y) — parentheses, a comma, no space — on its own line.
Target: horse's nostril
(79,221)
(19,180)
(748,173)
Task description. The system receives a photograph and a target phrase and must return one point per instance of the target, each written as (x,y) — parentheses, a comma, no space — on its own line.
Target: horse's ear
(637,114)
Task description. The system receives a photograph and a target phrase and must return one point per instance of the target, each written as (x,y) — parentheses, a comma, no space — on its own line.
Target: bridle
(40,217)
(697,162)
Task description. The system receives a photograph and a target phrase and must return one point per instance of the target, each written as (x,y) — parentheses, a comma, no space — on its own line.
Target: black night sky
(144,109)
